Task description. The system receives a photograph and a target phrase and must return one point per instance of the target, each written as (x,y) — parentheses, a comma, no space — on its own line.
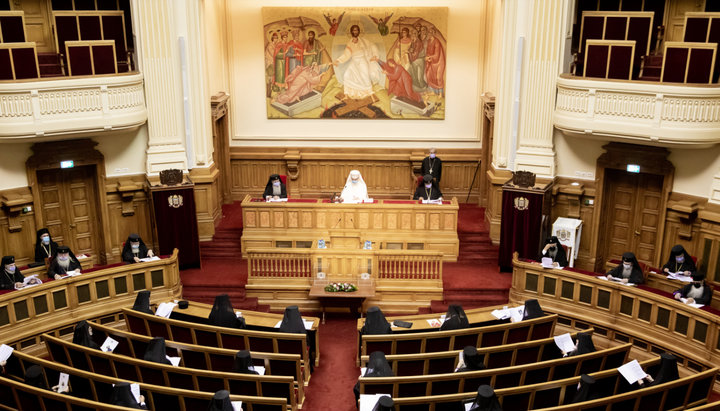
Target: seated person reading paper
(274,189)
(627,272)
(63,264)
(135,249)
(11,277)
(427,190)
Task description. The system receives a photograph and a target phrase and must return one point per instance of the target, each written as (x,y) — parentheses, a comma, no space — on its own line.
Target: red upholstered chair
(283,178)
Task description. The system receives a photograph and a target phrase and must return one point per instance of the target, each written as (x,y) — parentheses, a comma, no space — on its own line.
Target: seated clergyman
(64,263)
(135,249)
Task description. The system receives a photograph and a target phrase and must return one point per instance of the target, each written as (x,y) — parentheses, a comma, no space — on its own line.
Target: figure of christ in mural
(417,58)
(435,64)
(312,50)
(362,70)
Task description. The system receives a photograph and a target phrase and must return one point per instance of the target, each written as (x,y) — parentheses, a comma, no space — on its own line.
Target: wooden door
(69,207)
(633,209)
(38,26)
(675,17)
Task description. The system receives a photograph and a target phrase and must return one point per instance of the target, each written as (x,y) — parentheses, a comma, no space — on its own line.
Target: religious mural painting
(355,62)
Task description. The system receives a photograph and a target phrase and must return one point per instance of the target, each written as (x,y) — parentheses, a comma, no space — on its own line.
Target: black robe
(472,360)
(243,363)
(375,323)
(221,401)
(587,391)
(585,345)
(668,370)
(127,254)
(155,351)
(532,310)
(292,321)
(81,335)
(142,302)
(44,251)
(486,400)
(706,295)
(636,276)
(122,395)
(673,266)
(55,268)
(7,280)
(422,192)
(455,318)
(377,366)
(223,315)
(560,255)
(269,189)
(435,164)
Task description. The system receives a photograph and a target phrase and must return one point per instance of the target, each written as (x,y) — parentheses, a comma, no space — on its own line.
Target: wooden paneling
(128,211)
(319,172)
(208,206)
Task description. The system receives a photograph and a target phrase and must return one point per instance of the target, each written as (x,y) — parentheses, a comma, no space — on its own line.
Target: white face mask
(276,183)
(432,155)
(355,181)
(45,239)
(63,257)
(10,268)
(428,185)
(135,246)
(680,258)
(627,265)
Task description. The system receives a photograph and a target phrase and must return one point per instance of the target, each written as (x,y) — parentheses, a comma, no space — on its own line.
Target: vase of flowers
(340,287)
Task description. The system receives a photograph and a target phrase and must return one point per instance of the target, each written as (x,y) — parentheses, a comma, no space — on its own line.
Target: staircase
(50,65)
(651,68)
(474,280)
(225,245)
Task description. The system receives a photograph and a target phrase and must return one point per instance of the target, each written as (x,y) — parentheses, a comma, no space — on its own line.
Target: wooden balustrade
(651,319)
(31,311)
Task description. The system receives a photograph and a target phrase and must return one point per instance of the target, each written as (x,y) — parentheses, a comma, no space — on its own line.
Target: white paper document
(614,279)
(684,300)
(434,322)
(165,309)
(501,314)
(153,258)
(174,360)
(564,342)
(135,390)
(468,405)
(279,200)
(432,201)
(5,352)
(516,313)
(26,281)
(547,262)
(260,369)
(109,345)
(63,383)
(680,276)
(368,401)
(237,405)
(632,371)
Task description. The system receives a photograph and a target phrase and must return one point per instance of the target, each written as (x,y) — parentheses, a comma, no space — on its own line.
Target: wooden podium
(176,221)
(525,221)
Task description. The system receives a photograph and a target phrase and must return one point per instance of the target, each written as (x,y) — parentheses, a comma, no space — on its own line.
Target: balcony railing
(34,110)
(662,114)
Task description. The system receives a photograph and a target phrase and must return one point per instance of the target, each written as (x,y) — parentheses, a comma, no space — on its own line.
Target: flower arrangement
(340,287)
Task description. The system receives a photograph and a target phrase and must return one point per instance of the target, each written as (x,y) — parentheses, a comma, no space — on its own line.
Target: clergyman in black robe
(142,302)
(377,366)
(221,401)
(432,165)
(679,262)
(697,292)
(427,190)
(292,321)
(532,310)
(135,249)
(455,318)
(587,389)
(629,271)
(472,361)
(123,396)
(155,351)
(223,315)
(584,345)
(45,247)
(375,323)
(486,400)
(63,263)
(243,363)
(10,275)
(82,335)
(275,189)
(554,250)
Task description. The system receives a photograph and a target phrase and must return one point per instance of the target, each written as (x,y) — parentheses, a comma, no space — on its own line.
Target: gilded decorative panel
(434,221)
(293,219)
(420,221)
(264,219)
(278,219)
(406,221)
(363,220)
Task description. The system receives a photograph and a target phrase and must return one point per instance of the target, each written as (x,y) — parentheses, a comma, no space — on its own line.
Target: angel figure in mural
(333,22)
(382,23)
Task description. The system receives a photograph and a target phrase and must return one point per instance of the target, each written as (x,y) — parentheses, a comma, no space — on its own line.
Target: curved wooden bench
(512,376)
(433,341)
(204,358)
(99,387)
(212,336)
(133,369)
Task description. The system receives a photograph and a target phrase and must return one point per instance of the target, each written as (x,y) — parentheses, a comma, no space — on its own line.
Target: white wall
(250,125)
(12,165)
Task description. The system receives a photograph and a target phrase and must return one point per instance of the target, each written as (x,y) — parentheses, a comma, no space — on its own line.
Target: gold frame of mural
(355,62)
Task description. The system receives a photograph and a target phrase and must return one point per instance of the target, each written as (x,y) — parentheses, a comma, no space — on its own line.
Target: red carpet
(473,281)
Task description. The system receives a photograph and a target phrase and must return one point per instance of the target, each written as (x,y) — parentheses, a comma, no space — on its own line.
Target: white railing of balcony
(34,110)
(639,112)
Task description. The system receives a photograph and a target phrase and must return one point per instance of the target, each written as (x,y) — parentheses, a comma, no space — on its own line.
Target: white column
(715,189)
(159,60)
(544,56)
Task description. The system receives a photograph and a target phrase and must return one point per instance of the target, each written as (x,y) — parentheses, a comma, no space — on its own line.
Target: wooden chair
(18,61)
(609,59)
(703,27)
(12,26)
(686,62)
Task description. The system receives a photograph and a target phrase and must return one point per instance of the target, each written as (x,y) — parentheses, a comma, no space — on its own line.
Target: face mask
(11,270)
(697,285)
(135,246)
(432,155)
(680,258)
(627,265)
(45,240)
(354,181)
(63,258)
(428,185)
(276,183)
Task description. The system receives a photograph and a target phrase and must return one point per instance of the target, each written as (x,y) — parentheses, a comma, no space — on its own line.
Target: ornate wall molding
(667,115)
(39,110)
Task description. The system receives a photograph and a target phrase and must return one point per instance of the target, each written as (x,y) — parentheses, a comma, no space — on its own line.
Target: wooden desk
(476,317)
(353,300)
(389,224)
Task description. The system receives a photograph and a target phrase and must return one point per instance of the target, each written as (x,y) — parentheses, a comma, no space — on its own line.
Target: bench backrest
(133,369)
(434,341)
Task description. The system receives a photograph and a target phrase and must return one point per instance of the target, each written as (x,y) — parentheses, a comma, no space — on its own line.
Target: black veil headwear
(292,321)
(472,360)
(688,264)
(486,400)
(585,344)
(81,335)
(221,401)
(587,390)
(122,395)
(630,257)
(34,377)
(63,249)
(142,302)
(375,322)
(9,280)
(243,363)
(222,313)
(455,318)
(127,254)
(155,351)
(378,366)
(385,403)
(269,187)
(668,370)
(532,310)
